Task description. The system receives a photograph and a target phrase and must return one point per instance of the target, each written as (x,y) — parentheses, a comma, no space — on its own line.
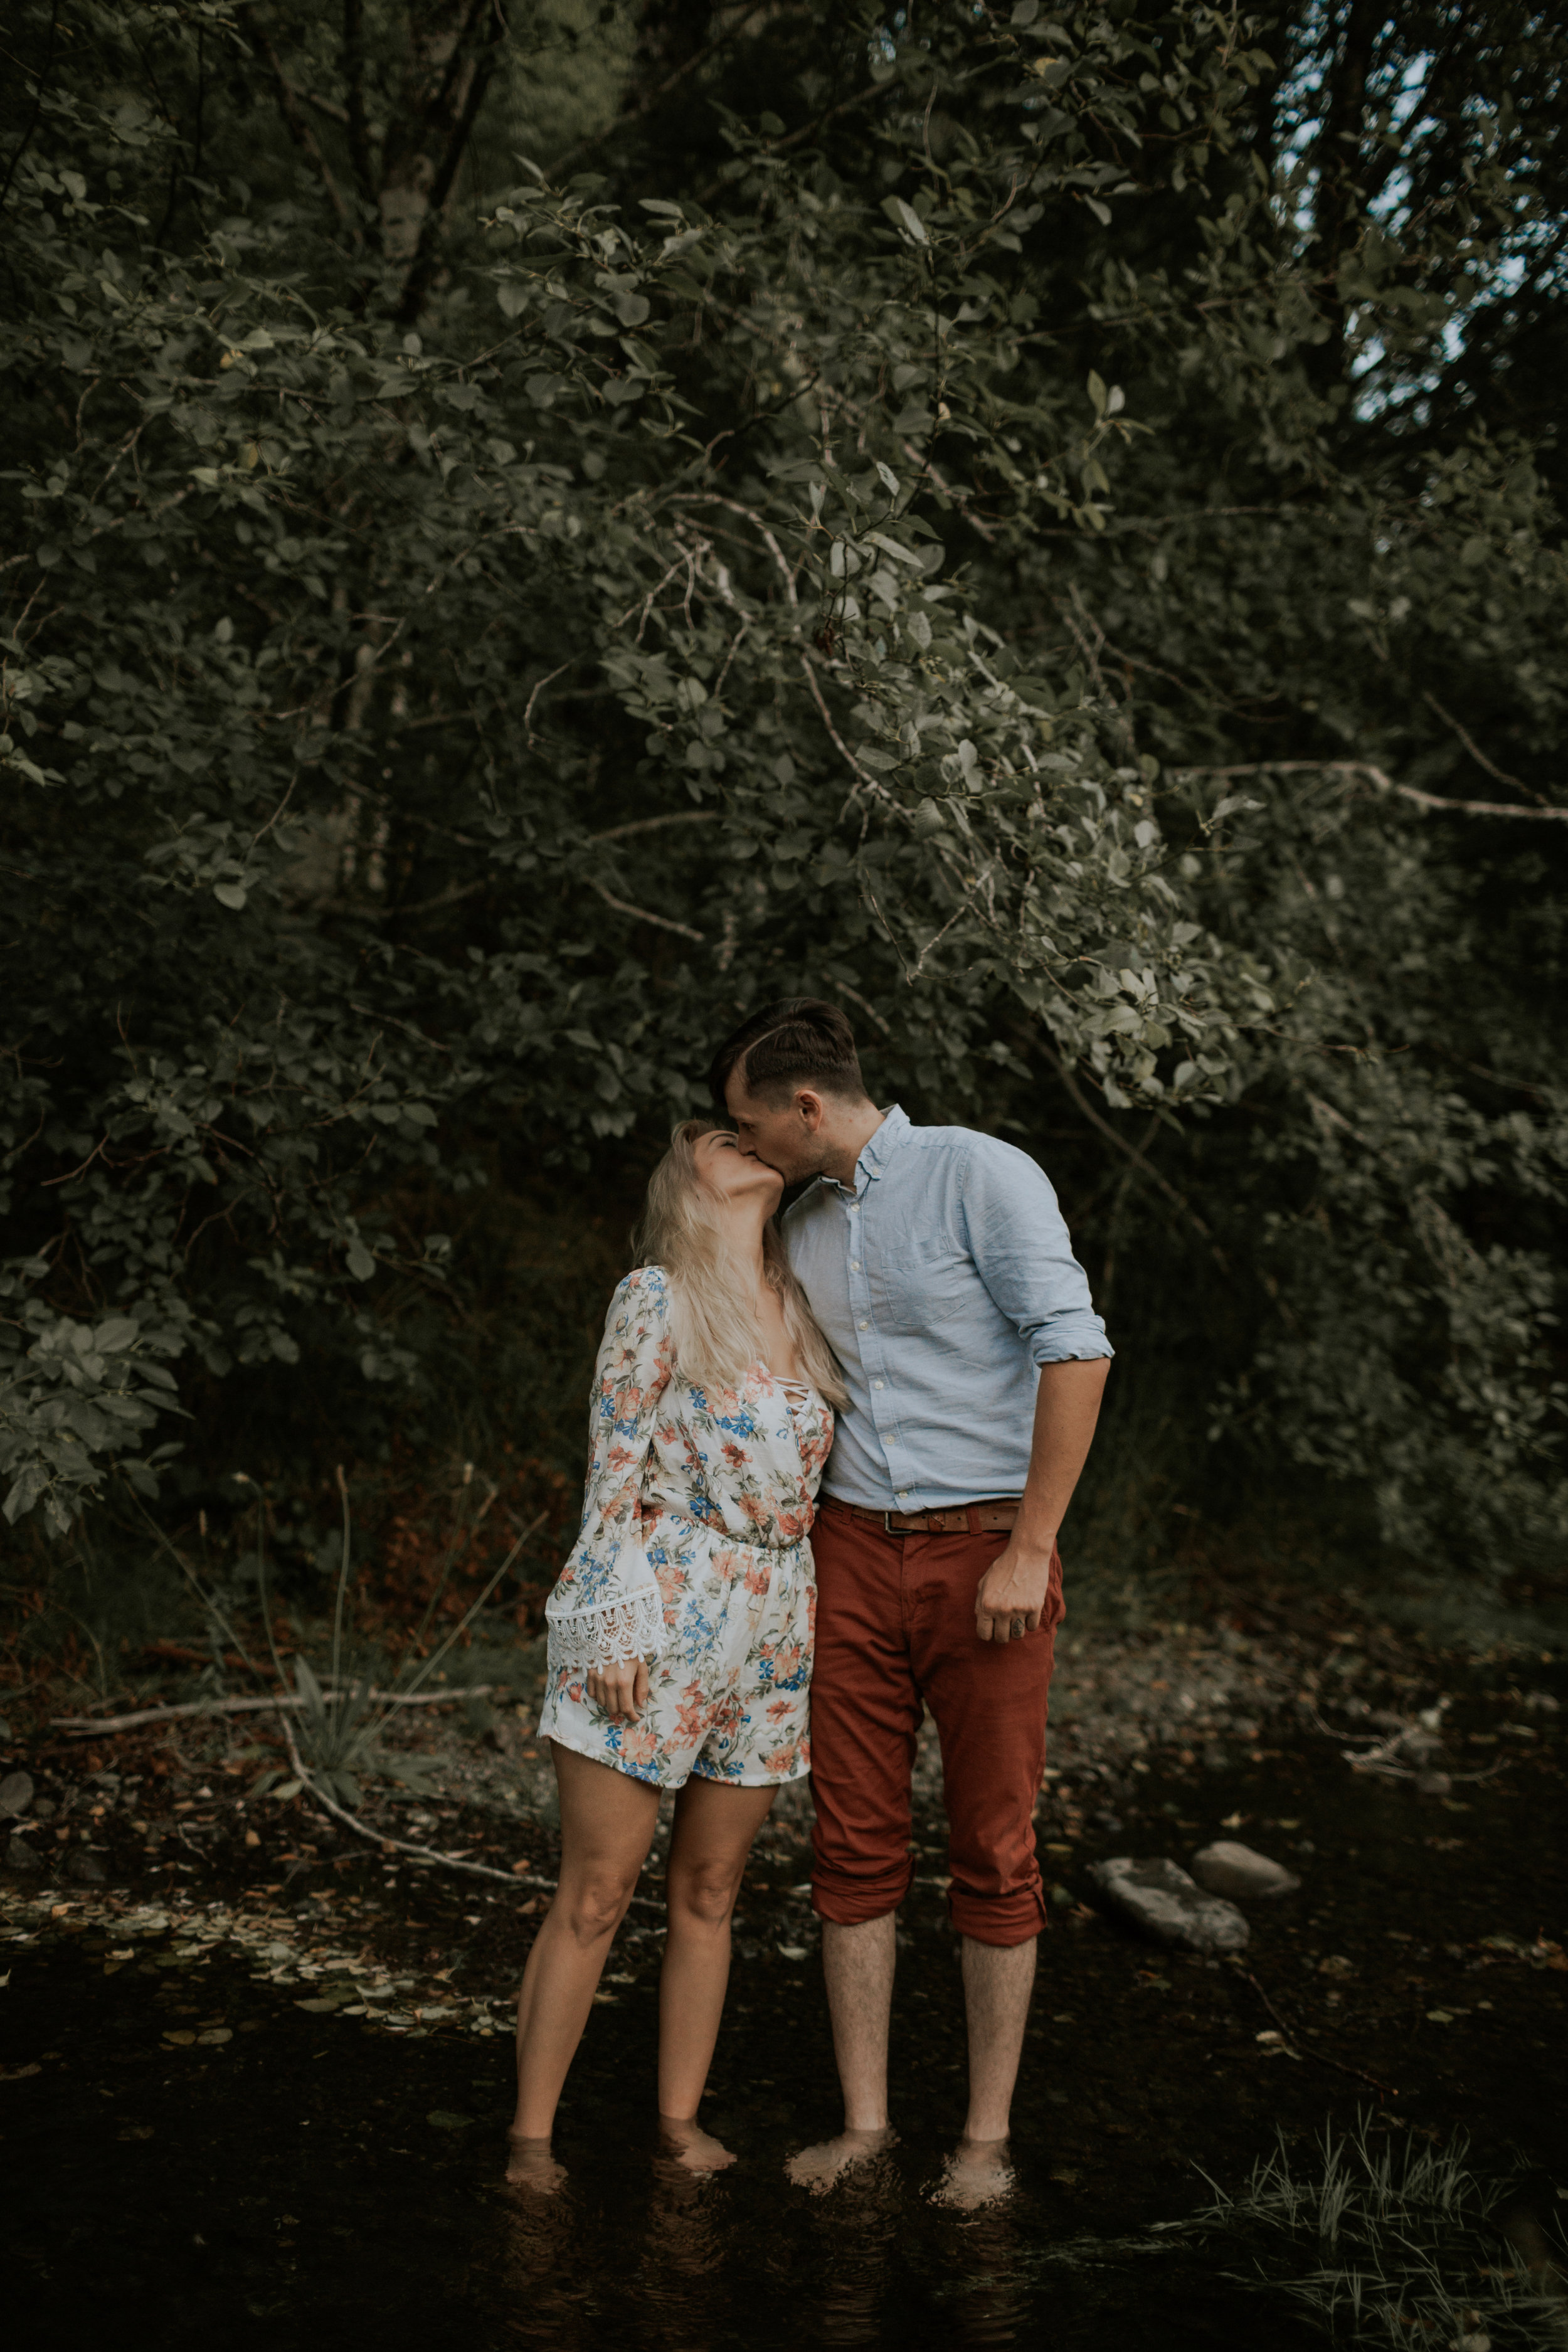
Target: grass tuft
(1412,2247)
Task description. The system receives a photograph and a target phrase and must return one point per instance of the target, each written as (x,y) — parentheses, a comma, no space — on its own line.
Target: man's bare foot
(818,2168)
(690,2146)
(530,2165)
(975,2175)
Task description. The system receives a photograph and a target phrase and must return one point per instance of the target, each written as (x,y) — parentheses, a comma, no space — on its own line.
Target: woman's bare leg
(714,1827)
(607,1822)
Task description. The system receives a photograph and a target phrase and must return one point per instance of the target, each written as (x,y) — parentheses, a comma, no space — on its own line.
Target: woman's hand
(619,1690)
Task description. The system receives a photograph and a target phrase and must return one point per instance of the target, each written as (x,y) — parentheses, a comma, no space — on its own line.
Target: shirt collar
(884,1144)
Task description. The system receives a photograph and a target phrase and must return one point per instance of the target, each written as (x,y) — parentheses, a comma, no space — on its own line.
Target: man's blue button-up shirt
(945,1279)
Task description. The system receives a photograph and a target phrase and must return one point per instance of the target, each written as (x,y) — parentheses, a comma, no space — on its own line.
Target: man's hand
(1012,1594)
(619,1690)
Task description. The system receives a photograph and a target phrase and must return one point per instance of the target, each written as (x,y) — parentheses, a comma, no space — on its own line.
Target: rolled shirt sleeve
(1018,1239)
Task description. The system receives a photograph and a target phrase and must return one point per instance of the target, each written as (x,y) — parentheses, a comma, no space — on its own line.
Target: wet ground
(260,2096)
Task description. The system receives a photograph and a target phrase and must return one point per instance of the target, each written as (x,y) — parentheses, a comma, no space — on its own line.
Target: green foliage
(1016,546)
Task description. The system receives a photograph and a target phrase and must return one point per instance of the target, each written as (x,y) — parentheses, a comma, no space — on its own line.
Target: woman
(681,1627)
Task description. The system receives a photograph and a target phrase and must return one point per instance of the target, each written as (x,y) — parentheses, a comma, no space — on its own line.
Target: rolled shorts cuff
(1000,1919)
(850,1898)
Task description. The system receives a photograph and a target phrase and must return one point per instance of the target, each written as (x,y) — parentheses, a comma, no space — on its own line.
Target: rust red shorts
(895,1627)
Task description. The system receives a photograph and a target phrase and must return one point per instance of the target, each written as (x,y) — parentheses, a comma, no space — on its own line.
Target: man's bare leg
(857,1966)
(998,1979)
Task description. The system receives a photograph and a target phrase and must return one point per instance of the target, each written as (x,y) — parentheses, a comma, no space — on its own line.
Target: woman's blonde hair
(714,1319)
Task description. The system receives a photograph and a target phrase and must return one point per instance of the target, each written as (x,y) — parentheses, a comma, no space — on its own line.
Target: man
(937,1262)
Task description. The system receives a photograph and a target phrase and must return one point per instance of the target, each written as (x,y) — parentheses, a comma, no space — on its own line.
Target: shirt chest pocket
(924,1282)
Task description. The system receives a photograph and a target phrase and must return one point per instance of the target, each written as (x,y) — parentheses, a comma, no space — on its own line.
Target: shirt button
(853,1206)
(854,1266)
(865,1325)
(903,1495)
(877,1384)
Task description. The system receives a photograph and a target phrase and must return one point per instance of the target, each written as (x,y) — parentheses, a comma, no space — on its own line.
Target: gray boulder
(16,1795)
(20,1855)
(1160,1899)
(1228,1868)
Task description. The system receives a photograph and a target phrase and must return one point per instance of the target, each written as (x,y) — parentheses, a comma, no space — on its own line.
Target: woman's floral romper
(694,1555)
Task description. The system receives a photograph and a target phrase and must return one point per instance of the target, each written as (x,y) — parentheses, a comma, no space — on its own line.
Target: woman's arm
(605,1613)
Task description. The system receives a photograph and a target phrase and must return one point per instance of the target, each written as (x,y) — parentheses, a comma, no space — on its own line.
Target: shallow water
(310,2176)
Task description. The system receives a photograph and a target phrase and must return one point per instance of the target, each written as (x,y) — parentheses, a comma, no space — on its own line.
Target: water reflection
(854,2230)
(679,2284)
(985,2296)
(685,2262)
(533,2283)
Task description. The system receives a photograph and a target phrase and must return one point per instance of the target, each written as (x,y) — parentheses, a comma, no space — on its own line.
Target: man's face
(786,1136)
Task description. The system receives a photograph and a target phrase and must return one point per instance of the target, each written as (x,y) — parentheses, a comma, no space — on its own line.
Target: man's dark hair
(798,1042)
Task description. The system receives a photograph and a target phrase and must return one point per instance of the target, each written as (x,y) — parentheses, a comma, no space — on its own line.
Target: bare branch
(625,907)
(622,123)
(1476,754)
(473,76)
(1132,1152)
(864,773)
(294,121)
(1375,775)
(651,823)
(354,83)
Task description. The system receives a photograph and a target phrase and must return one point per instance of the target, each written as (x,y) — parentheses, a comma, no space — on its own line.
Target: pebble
(1433,1784)
(1226,1867)
(16,1795)
(86,1869)
(1160,1897)
(20,1855)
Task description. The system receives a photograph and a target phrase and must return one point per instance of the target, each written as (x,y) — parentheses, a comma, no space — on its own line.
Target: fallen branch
(421,1852)
(383,1837)
(1378,1755)
(85,1726)
(1322,2056)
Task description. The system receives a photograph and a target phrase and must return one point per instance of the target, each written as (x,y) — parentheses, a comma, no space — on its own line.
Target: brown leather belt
(964,1520)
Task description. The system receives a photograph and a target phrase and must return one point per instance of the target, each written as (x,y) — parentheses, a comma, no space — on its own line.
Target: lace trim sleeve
(616,1635)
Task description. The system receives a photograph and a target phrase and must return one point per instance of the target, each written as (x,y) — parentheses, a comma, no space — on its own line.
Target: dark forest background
(529,529)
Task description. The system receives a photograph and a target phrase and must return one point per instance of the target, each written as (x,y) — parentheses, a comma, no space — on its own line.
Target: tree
(966,547)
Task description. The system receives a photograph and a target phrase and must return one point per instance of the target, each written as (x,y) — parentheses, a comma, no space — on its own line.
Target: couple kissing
(828,1459)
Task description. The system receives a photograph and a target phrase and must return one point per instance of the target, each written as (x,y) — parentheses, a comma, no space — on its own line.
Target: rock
(1158,1897)
(5,1728)
(1433,1784)
(1228,1868)
(86,1869)
(19,1856)
(16,1795)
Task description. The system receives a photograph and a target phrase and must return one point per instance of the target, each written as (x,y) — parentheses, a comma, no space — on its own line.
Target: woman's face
(732,1174)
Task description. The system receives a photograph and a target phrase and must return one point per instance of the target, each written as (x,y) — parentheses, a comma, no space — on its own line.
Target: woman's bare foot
(690,2146)
(530,2165)
(976,2174)
(818,2168)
